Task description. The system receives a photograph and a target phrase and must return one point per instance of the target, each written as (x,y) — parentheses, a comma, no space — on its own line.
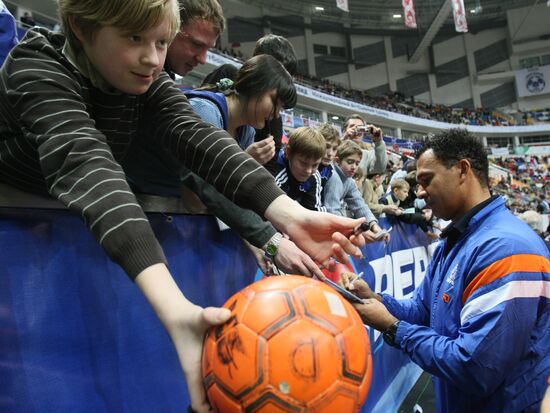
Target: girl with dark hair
(262,87)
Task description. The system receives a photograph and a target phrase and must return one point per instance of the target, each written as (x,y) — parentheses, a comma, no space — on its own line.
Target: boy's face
(350,164)
(330,153)
(401,193)
(301,166)
(129,62)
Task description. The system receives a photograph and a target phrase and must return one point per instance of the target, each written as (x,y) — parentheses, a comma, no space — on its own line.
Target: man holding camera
(373,160)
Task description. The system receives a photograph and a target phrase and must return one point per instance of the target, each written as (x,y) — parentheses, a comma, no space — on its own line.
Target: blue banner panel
(77,336)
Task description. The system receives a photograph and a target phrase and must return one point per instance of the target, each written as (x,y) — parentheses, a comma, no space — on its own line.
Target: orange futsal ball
(293,344)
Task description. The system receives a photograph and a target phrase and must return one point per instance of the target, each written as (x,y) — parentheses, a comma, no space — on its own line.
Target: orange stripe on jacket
(505,266)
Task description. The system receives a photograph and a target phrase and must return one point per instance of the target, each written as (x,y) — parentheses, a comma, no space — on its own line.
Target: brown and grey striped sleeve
(209,152)
(49,129)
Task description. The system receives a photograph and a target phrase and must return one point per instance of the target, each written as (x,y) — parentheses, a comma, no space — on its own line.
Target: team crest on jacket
(452,276)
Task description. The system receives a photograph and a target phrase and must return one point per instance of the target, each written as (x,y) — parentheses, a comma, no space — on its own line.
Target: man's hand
(375,314)
(263,150)
(375,133)
(359,287)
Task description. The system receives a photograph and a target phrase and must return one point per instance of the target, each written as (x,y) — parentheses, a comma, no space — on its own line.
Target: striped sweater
(60,134)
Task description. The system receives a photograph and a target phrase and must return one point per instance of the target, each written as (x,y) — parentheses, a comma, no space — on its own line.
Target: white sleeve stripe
(119,225)
(225,190)
(222,167)
(509,291)
(85,176)
(318,200)
(99,218)
(59,113)
(242,179)
(24,114)
(95,158)
(58,148)
(94,187)
(118,191)
(281,177)
(41,70)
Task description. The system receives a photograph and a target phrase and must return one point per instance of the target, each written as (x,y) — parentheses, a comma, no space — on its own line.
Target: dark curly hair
(453,145)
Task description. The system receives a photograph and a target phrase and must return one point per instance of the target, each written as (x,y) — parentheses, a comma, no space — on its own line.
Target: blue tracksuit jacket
(480,320)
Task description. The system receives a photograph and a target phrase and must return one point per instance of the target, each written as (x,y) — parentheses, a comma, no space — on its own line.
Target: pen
(356,277)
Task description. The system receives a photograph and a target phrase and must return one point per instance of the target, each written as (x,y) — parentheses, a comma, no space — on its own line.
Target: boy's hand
(373,233)
(318,234)
(393,210)
(292,260)
(186,324)
(263,150)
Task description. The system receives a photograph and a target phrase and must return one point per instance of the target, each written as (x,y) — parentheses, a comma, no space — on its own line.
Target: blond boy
(72,103)
(296,172)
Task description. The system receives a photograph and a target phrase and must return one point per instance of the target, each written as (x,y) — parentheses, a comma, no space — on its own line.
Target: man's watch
(390,333)
(272,246)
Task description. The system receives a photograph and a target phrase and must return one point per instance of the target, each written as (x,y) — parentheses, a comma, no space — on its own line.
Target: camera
(362,129)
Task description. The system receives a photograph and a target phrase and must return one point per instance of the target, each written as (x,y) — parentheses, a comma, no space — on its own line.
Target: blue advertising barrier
(77,336)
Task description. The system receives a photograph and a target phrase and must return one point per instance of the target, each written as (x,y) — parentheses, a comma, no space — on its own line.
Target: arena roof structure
(380,13)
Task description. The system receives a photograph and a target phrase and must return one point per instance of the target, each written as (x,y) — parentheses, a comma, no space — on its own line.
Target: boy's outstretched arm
(319,234)
(186,324)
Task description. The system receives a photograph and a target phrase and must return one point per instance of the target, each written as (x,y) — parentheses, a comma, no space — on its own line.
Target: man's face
(301,166)
(351,131)
(439,187)
(330,153)
(190,46)
(350,164)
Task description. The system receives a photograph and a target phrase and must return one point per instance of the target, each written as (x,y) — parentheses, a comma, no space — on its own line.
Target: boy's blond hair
(307,142)
(132,15)
(348,148)
(400,183)
(330,133)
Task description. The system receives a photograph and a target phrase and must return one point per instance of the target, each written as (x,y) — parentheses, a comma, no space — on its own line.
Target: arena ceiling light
(396,16)
(319,8)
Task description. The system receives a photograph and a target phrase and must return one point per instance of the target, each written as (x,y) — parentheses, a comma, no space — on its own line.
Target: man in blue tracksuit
(480,320)
(8,32)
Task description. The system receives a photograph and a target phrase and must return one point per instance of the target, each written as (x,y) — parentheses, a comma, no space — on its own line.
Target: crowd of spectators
(528,186)
(397,102)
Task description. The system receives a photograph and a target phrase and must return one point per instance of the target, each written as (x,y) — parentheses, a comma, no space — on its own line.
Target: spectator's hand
(375,133)
(375,229)
(427,214)
(186,324)
(393,210)
(292,260)
(263,150)
(318,234)
(261,259)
